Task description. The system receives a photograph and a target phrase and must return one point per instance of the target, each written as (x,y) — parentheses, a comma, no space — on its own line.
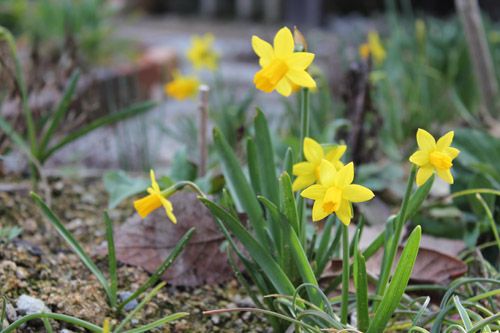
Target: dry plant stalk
(484,70)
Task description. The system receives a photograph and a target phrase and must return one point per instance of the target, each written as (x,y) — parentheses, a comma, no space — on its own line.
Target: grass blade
(73,243)
(60,112)
(396,288)
(161,269)
(132,313)
(463,313)
(112,118)
(158,323)
(258,252)
(253,165)
(265,156)
(361,284)
(113,277)
(241,191)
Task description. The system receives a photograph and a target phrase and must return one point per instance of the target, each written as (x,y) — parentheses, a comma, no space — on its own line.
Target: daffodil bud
(299,40)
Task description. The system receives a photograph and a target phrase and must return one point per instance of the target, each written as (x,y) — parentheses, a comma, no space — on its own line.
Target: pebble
(123,295)
(11,313)
(27,305)
(65,330)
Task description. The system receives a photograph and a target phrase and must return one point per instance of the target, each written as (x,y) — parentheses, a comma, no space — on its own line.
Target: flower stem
(180,185)
(489,215)
(203,146)
(304,119)
(345,274)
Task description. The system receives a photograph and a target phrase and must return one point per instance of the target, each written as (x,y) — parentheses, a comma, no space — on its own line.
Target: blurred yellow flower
(201,54)
(154,200)
(434,156)
(335,192)
(182,87)
(373,47)
(281,66)
(105,326)
(308,172)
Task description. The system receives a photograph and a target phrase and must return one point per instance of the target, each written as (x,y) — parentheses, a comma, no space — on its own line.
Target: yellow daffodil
(201,54)
(281,66)
(434,156)
(105,326)
(182,87)
(308,172)
(335,192)
(373,47)
(154,200)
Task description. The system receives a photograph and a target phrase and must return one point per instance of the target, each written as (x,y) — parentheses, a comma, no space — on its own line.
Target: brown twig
(203,108)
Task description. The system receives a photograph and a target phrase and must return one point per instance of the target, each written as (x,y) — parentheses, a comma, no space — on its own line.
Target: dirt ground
(40,264)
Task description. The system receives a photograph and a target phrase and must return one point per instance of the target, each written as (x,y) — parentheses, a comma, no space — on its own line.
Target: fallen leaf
(146,243)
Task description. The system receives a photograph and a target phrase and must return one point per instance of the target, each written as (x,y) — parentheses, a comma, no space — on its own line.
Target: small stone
(65,330)
(27,305)
(22,273)
(123,295)
(10,313)
(215,319)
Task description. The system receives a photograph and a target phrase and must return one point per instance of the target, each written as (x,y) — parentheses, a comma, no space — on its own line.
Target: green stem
(180,185)
(345,274)
(489,215)
(393,245)
(304,132)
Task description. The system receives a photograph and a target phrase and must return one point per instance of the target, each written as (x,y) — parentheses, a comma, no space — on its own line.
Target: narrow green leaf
(242,192)
(361,283)
(304,267)
(58,115)
(288,204)
(288,161)
(463,313)
(276,229)
(253,165)
(257,251)
(56,316)
(397,286)
(265,156)
(326,248)
(145,301)
(14,136)
(46,324)
(112,118)
(73,243)
(158,323)
(176,251)
(113,277)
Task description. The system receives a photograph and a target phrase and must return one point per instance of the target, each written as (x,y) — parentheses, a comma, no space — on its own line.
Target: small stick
(203,107)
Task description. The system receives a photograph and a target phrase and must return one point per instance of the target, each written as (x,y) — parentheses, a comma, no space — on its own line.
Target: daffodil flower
(335,192)
(307,173)
(182,87)
(201,54)
(154,200)
(373,47)
(281,66)
(105,326)
(434,156)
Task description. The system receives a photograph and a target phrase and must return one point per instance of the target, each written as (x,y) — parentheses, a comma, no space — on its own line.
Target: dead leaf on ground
(146,243)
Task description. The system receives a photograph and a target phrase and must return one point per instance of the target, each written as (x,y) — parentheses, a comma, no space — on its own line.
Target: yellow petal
(452,152)
(423,174)
(154,184)
(301,78)
(420,158)
(300,60)
(302,182)
(425,140)
(315,192)
(318,213)
(445,174)
(147,205)
(303,168)
(313,151)
(283,43)
(445,140)
(357,193)
(263,49)
(344,213)
(327,173)
(345,176)
(284,87)
(335,153)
